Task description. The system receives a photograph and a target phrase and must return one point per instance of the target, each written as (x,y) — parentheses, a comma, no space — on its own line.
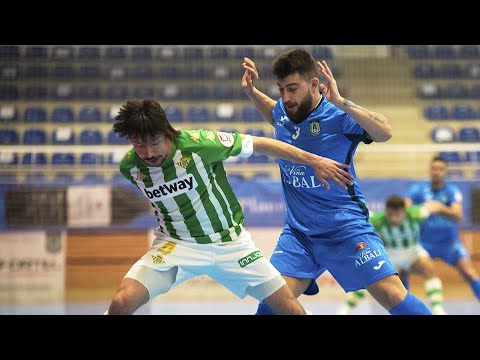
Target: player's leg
(425,267)
(392,295)
(137,287)
(467,270)
(351,301)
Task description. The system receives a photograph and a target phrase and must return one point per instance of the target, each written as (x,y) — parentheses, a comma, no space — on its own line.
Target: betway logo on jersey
(296,175)
(170,189)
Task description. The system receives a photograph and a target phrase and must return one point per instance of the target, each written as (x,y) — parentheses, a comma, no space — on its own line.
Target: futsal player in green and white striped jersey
(399,228)
(200,220)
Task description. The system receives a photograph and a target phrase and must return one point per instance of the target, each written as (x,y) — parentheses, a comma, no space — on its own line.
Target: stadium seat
(35,114)
(34,137)
(9,137)
(8,92)
(463,112)
(36,92)
(116,92)
(63,115)
(88,53)
(63,92)
(221,72)
(36,52)
(255,132)
(92,179)
(436,112)
(475,91)
(115,157)
(90,114)
(170,92)
(115,53)
(35,158)
(259,159)
(36,72)
(63,178)
(114,139)
(250,113)
(223,92)
(196,92)
(63,53)
(36,178)
(262,176)
(63,136)
(444,52)
(429,91)
(143,92)
(141,71)
(322,53)
(91,158)
(424,71)
(63,72)
(443,134)
(473,157)
(235,177)
(195,72)
(193,53)
(449,71)
(168,72)
(468,52)
(469,134)
(89,92)
(169,53)
(451,156)
(63,158)
(218,52)
(418,52)
(174,113)
(8,158)
(225,112)
(91,137)
(9,52)
(239,52)
(90,72)
(198,113)
(456,91)
(141,53)
(112,111)
(9,72)
(8,177)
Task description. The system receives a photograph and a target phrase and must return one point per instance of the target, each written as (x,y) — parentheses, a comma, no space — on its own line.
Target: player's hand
(330,90)
(326,168)
(250,75)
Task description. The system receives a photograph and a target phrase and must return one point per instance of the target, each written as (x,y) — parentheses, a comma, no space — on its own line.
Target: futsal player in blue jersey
(325,229)
(439,234)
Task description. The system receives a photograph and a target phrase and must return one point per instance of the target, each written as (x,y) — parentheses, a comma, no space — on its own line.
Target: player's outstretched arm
(324,168)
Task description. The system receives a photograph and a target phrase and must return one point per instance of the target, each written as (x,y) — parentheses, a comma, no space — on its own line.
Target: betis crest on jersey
(315,128)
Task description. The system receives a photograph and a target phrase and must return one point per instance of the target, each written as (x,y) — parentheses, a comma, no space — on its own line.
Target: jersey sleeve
(415,194)
(350,126)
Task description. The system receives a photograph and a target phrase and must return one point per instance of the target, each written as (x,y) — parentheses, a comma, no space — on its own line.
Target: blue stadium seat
(429,91)
(89,92)
(63,158)
(437,112)
(196,92)
(473,157)
(90,72)
(170,92)
(8,113)
(225,112)
(91,158)
(250,113)
(443,134)
(141,71)
(35,114)
(114,139)
(193,53)
(89,53)
(451,156)
(418,52)
(115,53)
(36,159)
(36,92)
(36,178)
(9,137)
(169,53)
(468,52)
(198,113)
(63,178)
(143,92)
(424,71)
(8,177)
(62,72)
(223,92)
(63,92)
(449,71)
(92,179)
(475,91)
(456,91)
(8,92)
(195,72)
(63,136)
(90,114)
(9,72)
(34,137)
(141,53)
(322,53)
(36,52)
(116,92)
(63,53)
(9,52)
(36,72)
(91,137)
(174,113)
(63,115)
(463,112)
(168,72)
(445,52)
(469,134)
(219,52)
(240,52)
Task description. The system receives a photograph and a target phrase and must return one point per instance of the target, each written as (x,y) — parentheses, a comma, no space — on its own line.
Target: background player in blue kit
(325,229)
(439,234)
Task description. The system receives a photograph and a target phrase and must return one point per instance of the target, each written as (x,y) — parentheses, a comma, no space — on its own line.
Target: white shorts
(404,258)
(238,265)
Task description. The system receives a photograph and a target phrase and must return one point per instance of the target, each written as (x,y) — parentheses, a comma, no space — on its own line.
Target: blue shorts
(354,260)
(449,252)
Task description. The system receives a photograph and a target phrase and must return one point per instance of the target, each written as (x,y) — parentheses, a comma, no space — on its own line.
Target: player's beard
(304,109)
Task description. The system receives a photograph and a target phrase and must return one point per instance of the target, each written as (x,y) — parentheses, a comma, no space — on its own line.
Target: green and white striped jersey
(406,234)
(190,193)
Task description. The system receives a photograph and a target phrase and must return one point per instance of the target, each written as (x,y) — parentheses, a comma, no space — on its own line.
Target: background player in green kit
(200,220)
(399,228)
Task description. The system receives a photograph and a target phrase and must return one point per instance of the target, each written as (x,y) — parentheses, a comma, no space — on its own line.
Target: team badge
(226,139)
(315,128)
(361,245)
(183,161)
(54,242)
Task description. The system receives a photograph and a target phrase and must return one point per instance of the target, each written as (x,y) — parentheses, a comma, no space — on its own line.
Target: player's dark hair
(439,158)
(395,202)
(294,61)
(143,118)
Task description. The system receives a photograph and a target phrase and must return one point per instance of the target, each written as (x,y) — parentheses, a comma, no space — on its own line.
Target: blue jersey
(328,132)
(437,228)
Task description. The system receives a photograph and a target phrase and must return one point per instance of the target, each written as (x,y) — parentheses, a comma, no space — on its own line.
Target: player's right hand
(250,75)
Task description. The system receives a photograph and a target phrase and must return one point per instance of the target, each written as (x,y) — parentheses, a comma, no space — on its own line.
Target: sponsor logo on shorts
(361,245)
(366,255)
(380,263)
(250,258)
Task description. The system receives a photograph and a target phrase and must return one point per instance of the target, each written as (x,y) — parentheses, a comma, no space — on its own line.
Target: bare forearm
(454,212)
(263,103)
(375,124)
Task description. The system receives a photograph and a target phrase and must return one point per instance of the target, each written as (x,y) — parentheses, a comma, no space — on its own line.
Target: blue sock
(475,285)
(264,310)
(411,305)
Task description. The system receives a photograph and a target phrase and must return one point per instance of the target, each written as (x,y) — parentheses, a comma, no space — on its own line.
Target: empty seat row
(59,158)
(439,111)
(461,156)
(60,136)
(447,134)
(452,90)
(445,52)
(91,52)
(450,70)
